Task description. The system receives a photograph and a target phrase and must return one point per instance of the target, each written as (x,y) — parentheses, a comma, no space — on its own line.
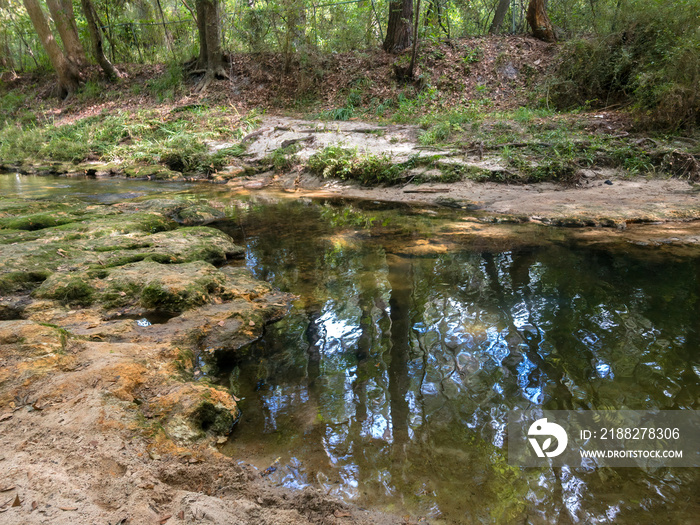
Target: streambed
(414,333)
(389,382)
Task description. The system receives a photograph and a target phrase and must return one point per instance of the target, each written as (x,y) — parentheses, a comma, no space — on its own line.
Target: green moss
(156,297)
(150,172)
(13,282)
(199,214)
(68,289)
(36,221)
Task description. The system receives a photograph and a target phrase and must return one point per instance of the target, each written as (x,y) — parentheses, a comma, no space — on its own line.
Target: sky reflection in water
(390,381)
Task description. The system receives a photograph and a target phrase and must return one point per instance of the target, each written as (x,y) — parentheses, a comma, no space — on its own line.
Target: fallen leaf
(6,489)
(221,323)
(34,505)
(6,416)
(252,323)
(68,508)
(17,502)
(341,514)
(165,518)
(181,515)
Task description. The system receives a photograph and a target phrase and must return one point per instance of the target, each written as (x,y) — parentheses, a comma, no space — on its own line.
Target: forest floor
(478,113)
(475,132)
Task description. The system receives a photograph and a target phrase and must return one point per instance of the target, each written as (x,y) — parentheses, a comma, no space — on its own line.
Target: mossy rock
(37,221)
(150,172)
(69,289)
(183,210)
(14,282)
(211,418)
(199,214)
(155,286)
(103,237)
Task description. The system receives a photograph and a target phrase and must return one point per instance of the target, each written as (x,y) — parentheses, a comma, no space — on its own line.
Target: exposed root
(210,75)
(681,164)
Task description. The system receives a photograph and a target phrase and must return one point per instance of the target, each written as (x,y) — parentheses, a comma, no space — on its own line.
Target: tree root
(210,74)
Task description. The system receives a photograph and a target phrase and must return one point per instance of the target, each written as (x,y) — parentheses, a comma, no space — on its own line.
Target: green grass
(283,158)
(177,140)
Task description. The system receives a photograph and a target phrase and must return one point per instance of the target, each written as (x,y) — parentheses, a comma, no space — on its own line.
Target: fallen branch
(289,142)
(254,134)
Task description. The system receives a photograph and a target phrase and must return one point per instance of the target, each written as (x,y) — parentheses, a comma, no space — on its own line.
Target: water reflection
(104,191)
(390,382)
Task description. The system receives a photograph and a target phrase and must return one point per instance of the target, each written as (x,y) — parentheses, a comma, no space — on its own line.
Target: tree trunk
(539,21)
(68,73)
(399,31)
(500,15)
(97,43)
(202,34)
(64,18)
(166,33)
(211,56)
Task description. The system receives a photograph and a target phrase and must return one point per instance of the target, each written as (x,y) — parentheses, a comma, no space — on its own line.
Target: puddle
(144,319)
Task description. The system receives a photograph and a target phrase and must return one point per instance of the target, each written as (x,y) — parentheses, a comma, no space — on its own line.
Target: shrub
(346,164)
(650,59)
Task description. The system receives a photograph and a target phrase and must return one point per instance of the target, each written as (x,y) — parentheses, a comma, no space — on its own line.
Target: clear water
(414,333)
(389,382)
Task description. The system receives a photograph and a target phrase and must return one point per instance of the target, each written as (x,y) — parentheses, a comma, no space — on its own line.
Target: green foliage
(283,158)
(650,58)
(179,142)
(408,107)
(166,85)
(344,163)
(436,134)
(90,90)
(472,55)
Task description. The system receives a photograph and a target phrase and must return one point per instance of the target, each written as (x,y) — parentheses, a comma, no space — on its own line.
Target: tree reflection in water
(390,381)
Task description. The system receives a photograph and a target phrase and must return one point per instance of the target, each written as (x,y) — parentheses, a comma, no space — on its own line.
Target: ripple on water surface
(390,381)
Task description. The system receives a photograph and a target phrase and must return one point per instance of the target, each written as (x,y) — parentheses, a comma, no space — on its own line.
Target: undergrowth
(178,140)
(345,163)
(649,60)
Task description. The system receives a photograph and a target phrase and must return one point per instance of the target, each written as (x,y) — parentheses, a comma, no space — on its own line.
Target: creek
(389,382)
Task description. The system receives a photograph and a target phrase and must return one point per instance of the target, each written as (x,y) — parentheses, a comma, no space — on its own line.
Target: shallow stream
(389,382)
